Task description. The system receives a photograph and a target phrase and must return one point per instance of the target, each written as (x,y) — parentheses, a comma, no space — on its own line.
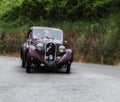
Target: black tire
(59,67)
(23,64)
(28,65)
(68,68)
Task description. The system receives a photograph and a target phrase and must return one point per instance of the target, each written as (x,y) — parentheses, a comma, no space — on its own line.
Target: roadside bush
(2,46)
(57,11)
(101,43)
(92,27)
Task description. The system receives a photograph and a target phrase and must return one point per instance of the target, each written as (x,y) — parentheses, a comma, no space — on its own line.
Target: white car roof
(45,28)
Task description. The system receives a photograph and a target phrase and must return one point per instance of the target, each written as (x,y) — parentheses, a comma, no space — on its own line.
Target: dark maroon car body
(45,47)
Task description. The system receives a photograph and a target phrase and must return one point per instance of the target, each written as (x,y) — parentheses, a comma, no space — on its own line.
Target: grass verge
(91,41)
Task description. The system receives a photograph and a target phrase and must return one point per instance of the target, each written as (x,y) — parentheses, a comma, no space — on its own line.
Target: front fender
(35,54)
(31,49)
(67,57)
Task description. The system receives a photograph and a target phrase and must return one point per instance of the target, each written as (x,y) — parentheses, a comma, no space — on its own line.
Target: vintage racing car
(45,47)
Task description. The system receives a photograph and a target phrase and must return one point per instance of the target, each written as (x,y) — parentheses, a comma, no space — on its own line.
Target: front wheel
(68,68)
(23,64)
(28,65)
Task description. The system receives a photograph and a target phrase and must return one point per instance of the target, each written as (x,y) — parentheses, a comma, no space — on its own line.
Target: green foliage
(55,10)
(2,46)
(8,5)
(33,9)
(102,42)
(27,10)
(92,27)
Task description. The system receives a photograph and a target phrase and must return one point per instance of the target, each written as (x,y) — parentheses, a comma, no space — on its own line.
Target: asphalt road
(86,83)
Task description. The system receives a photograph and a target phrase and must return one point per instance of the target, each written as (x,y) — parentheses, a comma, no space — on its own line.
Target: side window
(29,36)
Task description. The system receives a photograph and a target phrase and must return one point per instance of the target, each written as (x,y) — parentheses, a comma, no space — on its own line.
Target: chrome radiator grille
(50,53)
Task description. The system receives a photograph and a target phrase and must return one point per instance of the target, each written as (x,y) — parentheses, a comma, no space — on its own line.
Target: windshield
(49,33)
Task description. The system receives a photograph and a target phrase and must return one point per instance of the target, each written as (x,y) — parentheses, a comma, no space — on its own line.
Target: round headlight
(62,48)
(40,46)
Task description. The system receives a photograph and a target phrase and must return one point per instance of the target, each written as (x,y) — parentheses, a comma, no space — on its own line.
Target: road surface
(86,83)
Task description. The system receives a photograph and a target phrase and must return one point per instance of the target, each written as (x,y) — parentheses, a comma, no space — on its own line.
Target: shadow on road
(46,70)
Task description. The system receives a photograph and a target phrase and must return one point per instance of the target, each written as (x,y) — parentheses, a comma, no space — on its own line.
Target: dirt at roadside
(11,54)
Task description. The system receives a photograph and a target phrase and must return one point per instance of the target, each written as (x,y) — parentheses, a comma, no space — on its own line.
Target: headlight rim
(40,47)
(62,48)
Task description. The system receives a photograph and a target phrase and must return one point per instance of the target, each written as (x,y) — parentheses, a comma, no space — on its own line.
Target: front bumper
(39,59)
